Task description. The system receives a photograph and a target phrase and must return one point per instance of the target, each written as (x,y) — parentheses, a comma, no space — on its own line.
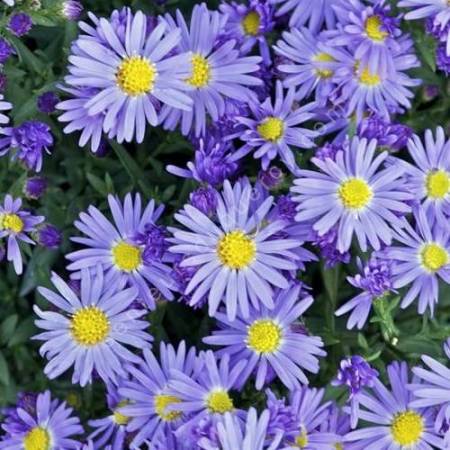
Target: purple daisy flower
(205,394)
(17,225)
(429,177)
(131,70)
(393,423)
(273,128)
(111,429)
(376,281)
(91,330)
(118,248)
(304,11)
(148,395)
(238,258)
(232,435)
(310,414)
(267,338)
(354,194)
(309,63)
(218,72)
(421,259)
(49,426)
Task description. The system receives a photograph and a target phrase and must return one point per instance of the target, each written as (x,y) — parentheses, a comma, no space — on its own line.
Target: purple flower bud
(271,178)
(72,9)
(5,50)
(49,236)
(205,200)
(103,149)
(20,24)
(442,60)
(35,187)
(430,92)
(47,101)
(154,240)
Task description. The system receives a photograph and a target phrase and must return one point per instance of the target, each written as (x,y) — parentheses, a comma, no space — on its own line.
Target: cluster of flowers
(238,248)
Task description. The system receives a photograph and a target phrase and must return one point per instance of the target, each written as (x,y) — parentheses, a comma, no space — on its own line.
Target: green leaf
(28,58)
(8,327)
(4,371)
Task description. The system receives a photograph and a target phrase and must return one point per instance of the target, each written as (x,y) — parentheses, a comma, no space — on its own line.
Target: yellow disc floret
(161,402)
(355,193)
(434,256)
(236,250)
(323,58)
(301,440)
(373,29)
(219,402)
(90,326)
(407,428)
(201,71)
(136,76)
(264,336)
(271,129)
(369,79)
(437,184)
(126,257)
(119,418)
(251,22)
(11,222)
(37,439)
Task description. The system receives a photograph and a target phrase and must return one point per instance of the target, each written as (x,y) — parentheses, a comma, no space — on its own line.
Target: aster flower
(204,199)
(355,373)
(49,236)
(282,416)
(90,330)
(118,248)
(131,71)
(237,257)
(71,9)
(218,72)
(49,425)
(249,24)
(375,280)
(267,338)
(205,394)
(393,423)
(354,194)
(232,436)
(327,243)
(35,187)
(274,128)
(4,119)
(20,24)
(17,225)
(429,176)
(421,259)
(310,413)
(304,11)
(147,393)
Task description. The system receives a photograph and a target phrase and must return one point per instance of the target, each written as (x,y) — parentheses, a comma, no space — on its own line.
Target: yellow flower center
(161,402)
(126,257)
(11,222)
(434,257)
(301,440)
(373,29)
(251,22)
(437,184)
(219,402)
(407,428)
(323,57)
(37,439)
(119,418)
(355,193)
(136,76)
(369,79)
(339,446)
(264,336)
(90,326)
(201,71)
(271,129)
(236,250)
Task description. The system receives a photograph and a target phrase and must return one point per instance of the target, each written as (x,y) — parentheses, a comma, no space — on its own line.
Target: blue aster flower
(355,194)
(90,331)
(392,422)
(273,129)
(268,339)
(218,72)
(119,248)
(238,258)
(420,259)
(130,69)
(232,435)
(429,175)
(148,396)
(49,425)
